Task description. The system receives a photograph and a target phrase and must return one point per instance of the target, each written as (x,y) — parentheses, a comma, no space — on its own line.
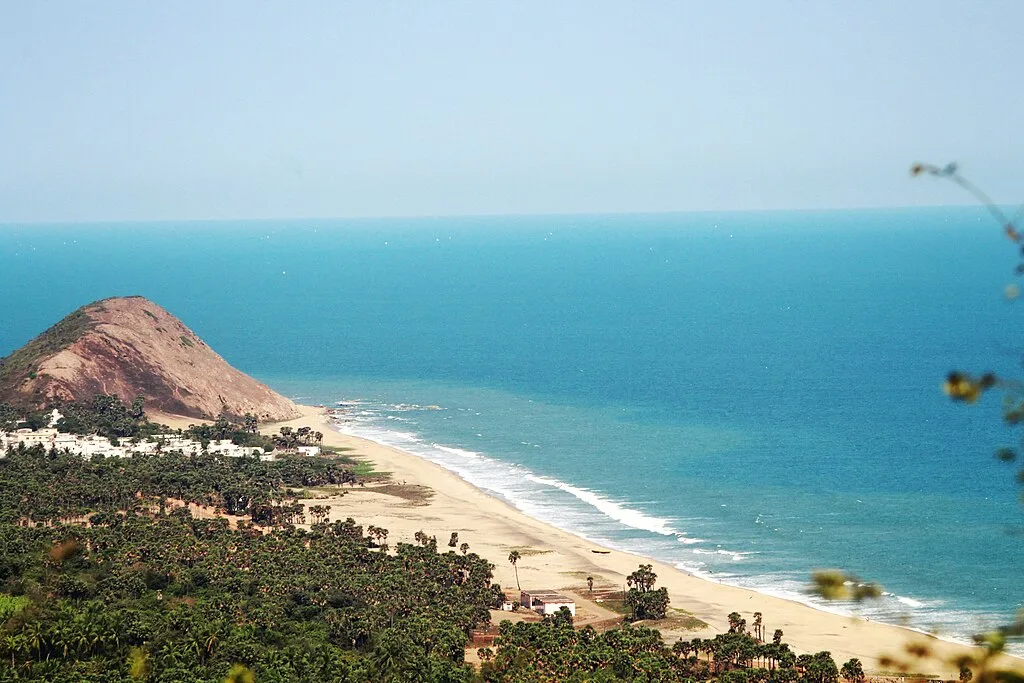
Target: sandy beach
(423,496)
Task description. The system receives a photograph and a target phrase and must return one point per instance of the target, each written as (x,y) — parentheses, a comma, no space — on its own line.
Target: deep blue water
(748,395)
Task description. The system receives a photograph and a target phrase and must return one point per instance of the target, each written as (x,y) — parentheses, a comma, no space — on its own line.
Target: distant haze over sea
(747,395)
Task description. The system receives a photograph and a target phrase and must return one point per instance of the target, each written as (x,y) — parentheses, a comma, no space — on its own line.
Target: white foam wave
(500,478)
(734,555)
(620,513)
(909,602)
(408,437)
(525,490)
(696,570)
(462,453)
(407,407)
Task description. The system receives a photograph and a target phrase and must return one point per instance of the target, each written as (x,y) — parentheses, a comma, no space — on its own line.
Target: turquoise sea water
(749,396)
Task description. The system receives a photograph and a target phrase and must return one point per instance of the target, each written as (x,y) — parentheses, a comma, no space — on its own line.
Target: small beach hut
(546,602)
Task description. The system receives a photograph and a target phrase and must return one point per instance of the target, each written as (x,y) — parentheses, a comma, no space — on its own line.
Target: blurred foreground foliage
(963,387)
(834,584)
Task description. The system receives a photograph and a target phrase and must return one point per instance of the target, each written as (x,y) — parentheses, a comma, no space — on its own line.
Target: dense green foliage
(104,576)
(38,485)
(853,671)
(292,438)
(642,599)
(9,417)
(107,416)
(11,605)
(175,598)
(553,651)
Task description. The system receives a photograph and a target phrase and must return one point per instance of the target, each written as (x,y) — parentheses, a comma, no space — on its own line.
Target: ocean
(748,396)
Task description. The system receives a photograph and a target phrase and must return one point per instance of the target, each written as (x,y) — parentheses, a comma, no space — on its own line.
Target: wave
(620,513)
(948,625)
(505,480)
(697,569)
(462,453)
(600,519)
(690,541)
(909,602)
(734,555)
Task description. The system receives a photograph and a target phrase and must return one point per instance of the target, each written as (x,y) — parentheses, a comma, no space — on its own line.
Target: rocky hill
(129,346)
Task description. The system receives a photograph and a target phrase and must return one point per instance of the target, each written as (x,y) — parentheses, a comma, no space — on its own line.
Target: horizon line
(159,221)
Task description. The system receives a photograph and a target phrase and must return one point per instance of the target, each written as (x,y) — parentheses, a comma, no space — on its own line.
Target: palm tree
(209,643)
(36,636)
(682,648)
(513,557)
(590,583)
(853,671)
(734,621)
(15,644)
(696,646)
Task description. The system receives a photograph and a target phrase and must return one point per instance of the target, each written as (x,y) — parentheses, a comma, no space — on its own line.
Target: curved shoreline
(561,559)
(609,508)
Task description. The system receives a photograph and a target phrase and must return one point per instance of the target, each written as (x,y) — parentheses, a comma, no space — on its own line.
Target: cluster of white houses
(98,446)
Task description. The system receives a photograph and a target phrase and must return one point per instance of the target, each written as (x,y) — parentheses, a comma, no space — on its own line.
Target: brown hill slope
(129,346)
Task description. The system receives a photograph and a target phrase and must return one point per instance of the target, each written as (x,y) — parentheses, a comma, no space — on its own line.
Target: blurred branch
(964,388)
(952,172)
(835,584)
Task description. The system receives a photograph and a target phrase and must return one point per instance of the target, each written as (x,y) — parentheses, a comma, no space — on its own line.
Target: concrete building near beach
(93,446)
(546,602)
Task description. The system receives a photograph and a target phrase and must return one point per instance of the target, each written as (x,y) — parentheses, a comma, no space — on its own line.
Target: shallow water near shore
(749,396)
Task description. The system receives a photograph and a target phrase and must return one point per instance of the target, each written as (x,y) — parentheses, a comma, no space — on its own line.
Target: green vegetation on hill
(9,417)
(107,416)
(103,415)
(21,365)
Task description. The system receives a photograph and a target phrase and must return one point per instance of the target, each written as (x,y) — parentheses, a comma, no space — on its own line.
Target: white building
(309,450)
(97,446)
(546,602)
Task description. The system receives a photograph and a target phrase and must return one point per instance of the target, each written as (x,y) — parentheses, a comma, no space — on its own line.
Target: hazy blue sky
(145,110)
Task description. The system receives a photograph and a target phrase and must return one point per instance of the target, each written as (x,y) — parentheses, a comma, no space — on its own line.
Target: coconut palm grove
(106,575)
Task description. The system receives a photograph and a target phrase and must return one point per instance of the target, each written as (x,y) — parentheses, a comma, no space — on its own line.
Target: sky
(243,109)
